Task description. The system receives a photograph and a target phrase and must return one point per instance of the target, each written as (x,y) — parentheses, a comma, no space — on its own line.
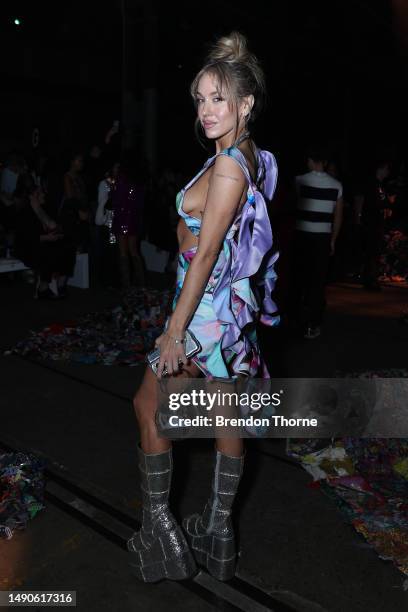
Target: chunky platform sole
(216,554)
(177,568)
(155,562)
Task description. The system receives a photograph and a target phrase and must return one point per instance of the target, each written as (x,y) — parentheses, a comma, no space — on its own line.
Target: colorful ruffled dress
(238,292)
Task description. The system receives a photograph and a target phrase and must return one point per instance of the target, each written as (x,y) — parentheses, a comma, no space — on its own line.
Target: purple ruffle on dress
(127,201)
(238,294)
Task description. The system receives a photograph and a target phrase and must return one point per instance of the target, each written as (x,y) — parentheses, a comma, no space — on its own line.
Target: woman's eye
(218,99)
(199,100)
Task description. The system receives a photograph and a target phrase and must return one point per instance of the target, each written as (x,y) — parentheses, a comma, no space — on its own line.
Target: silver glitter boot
(159,549)
(211,535)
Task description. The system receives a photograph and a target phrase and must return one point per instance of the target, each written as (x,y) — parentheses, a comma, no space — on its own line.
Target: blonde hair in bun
(232,48)
(238,74)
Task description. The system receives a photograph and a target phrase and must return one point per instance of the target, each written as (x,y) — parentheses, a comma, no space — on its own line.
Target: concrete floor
(294,542)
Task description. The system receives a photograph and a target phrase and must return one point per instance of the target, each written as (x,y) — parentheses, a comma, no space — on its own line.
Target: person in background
(399,185)
(318,221)
(164,235)
(373,206)
(14,166)
(74,184)
(93,171)
(111,147)
(40,243)
(38,168)
(127,225)
(106,239)
(100,157)
(74,212)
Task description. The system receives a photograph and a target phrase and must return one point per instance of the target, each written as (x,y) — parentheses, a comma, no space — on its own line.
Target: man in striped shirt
(318,221)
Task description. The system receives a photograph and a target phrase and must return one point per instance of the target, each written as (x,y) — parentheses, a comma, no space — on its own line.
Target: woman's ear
(247,105)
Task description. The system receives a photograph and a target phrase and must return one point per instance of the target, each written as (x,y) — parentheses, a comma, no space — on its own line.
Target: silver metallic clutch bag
(191,347)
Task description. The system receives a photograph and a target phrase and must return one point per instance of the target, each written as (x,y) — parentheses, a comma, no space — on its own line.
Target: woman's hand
(172,353)
(50,225)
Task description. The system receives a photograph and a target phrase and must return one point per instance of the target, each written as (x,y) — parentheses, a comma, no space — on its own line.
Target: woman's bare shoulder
(228,167)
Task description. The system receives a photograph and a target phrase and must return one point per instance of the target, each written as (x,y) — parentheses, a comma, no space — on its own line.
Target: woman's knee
(133,248)
(123,246)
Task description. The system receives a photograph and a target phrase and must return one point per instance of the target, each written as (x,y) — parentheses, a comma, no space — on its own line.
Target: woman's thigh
(148,394)
(133,246)
(123,245)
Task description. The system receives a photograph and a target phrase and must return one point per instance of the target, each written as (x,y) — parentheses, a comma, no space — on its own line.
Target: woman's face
(217,117)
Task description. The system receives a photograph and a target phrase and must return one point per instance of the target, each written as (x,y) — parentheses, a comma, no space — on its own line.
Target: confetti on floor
(119,336)
(368,479)
(21,491)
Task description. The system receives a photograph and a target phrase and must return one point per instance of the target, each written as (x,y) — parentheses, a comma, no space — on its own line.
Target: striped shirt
(317,194)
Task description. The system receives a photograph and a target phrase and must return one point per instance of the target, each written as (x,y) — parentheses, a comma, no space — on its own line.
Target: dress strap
(240,159)
(267,172)
(266,166)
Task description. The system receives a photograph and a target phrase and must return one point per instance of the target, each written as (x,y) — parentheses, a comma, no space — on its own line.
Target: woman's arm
(40,212)
(225,191)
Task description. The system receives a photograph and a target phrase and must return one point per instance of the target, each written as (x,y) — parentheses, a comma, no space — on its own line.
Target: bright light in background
(17,22)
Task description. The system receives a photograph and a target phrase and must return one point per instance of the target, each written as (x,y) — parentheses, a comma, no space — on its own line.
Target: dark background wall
(60,70)
(335,71)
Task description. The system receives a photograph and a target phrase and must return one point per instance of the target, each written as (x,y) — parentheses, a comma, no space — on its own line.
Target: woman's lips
(208,125)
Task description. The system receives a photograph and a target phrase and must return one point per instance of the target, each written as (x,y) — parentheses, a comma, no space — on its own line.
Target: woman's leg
(61,259)
(137,262)
(159,548)
(233,447)
(210,534)
(45,266)
(67,260)
(123,242)
(145,404)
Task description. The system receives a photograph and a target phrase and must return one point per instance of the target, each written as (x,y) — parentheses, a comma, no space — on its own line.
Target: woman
(128,201)
(39,241)
(74,184)
(106,239)
(225,260)
(74,212)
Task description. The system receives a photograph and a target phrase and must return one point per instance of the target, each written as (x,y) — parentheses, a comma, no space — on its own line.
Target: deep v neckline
(203,170)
